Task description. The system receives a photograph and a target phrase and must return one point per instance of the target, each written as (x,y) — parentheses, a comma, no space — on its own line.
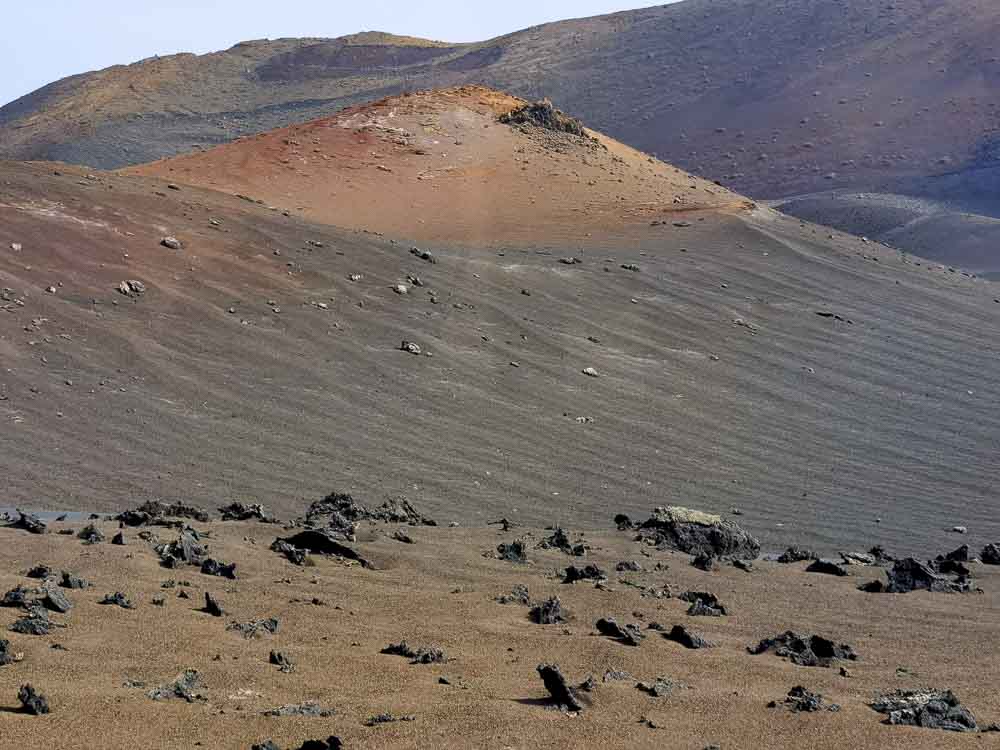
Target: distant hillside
(772,98)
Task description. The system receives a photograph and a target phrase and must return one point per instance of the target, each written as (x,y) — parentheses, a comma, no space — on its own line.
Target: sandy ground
(441,592)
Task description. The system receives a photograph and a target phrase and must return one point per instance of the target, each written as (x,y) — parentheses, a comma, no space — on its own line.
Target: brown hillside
(443,166)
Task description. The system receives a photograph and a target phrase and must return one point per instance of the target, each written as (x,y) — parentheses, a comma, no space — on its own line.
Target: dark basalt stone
(699,533)
(931,709)
(561,693)
(805,650)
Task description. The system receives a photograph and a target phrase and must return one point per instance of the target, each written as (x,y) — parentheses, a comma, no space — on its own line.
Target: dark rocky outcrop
(27,522)
(213,606)
(990,554)
(70,581)
(826,567)
(801,700)
(254,628)
(909,575)
(245,512)
(281,660)
(186,550)
(559,540)
(212,567)
(629,634)
(184,687)
(341,513)
(703,604)
(32,702)
(7,656)
(515,551)
(931,709)
(795,554)
(549,612)
(562,695)
(117,599)
(680,634)
(294,555)
(420,655)
(90,534)
(542,114)
(698,533)
(805,650)
(324,542)
(586,573)
(36,622)
(157,513)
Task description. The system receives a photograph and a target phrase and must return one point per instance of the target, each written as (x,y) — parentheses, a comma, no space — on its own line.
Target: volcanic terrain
(477,312)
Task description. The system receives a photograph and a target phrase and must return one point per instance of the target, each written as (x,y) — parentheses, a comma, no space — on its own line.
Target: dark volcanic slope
(775,98)
(254,368)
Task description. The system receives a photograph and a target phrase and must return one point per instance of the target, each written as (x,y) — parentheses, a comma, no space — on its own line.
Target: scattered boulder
(661,687)
(90,534)
(804,650)
(6,655)
(172,243)
(826,567)
(118,539)
(680,634)
(858,558)
(70,581)
(27,522)
(912,575)
(423,254)
(801,700)
(562,695)
(519,595)
(325,542)
(422,655)
(586,573)
(515,551)
(703,604)
(548,612)
(629,634)
(40,572)
(32,702)
(990,554)
(698,533)
(212,606)
(184,687)
(309,708)
(931,709)
(410,347)
(36,622)
(294,554)
(706,562)
(559,540)
(795,554)
(131,288)
(254,628)
(282,661)
(245,512)
(186,550)
(56,600)
(157,513)
(342,513)
(212,567)
(628,566)
(117,599)
(19,597)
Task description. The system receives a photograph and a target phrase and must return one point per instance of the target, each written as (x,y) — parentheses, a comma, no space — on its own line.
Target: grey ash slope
(816,424)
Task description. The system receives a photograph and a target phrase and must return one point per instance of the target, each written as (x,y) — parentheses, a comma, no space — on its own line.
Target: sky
(45,40)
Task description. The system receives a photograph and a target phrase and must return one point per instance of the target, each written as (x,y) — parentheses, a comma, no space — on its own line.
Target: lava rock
(698,533)
(32,702)
(680,634)
(805,650)
(586,573)
(990,554)
(212,606)
(795,554)
(422,655)
(90,534)
(931,709)
(548,612)
(826,567)
(562,695)
(515,551)
(629,634)
(117,599)
(245,512)
(28,522)
(325,542)
(183,687)
(213,567)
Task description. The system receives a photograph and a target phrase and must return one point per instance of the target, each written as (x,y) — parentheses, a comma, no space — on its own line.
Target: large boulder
(930,709)
(699,533)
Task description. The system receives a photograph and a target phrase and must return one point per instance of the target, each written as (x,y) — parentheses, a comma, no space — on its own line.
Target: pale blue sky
(44,40)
